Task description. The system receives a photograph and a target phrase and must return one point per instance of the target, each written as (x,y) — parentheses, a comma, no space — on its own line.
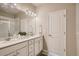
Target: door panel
(57,30)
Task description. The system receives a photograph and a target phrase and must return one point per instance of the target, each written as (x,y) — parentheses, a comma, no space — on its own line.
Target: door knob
(51,36)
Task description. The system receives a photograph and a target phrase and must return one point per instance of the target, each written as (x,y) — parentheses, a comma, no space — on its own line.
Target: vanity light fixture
(26,13)
(29,13)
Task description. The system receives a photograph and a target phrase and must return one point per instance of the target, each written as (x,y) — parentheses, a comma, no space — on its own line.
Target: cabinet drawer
(10,49)
(31,42)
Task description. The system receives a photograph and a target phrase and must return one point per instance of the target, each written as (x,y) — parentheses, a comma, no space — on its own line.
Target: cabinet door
(37,46)
(22,52)
(41,44)
(13,48)
(31,48)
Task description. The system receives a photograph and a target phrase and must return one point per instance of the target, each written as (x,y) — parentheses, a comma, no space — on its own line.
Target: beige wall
(77,27)
(71,24)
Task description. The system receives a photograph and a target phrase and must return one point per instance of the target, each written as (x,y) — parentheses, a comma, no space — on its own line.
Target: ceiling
(9,8)
(39,4)
(43,4)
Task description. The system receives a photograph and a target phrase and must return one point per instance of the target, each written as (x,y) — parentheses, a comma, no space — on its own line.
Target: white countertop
(12,41)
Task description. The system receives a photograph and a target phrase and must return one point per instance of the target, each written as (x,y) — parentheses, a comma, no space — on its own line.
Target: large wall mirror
(12,26)
(14,20)
(7,27)
(28,25)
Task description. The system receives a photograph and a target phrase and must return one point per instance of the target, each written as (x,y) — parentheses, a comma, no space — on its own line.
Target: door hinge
(64,15)
(64,50)
(64,32)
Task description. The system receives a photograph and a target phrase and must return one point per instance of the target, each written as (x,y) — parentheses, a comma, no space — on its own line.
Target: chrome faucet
(8,39)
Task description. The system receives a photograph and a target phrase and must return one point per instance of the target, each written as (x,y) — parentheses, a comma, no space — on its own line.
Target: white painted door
(57,32)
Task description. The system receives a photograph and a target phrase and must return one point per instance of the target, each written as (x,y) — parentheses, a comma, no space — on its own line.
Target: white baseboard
(45,52)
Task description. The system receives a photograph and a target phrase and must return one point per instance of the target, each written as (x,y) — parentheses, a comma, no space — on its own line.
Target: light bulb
(29,12)
(26,12)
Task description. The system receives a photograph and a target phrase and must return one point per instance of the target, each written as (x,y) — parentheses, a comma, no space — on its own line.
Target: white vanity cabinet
(12,54)
(38,45)
(41,43)
(35,46)
(10,50)
(22,52)
(31,47)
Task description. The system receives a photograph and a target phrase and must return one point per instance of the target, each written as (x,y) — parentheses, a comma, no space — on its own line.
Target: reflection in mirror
(4,28)
(7,27)
(15,20)
(28,25)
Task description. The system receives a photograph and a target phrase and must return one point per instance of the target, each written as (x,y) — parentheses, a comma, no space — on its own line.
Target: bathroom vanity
(30,46)
(12,23)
